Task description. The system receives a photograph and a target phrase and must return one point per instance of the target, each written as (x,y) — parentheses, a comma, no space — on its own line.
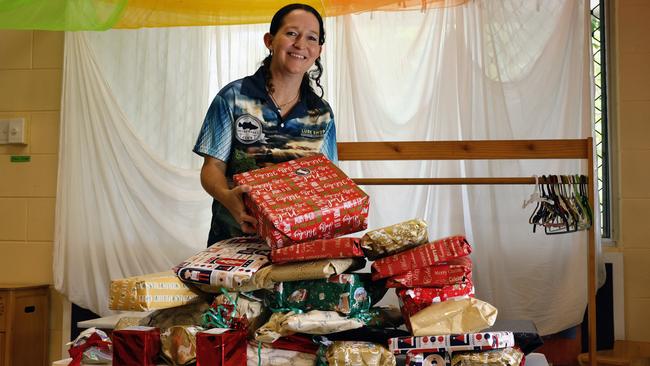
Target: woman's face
(295,46)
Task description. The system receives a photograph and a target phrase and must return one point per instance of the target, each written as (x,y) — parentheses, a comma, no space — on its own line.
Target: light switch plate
(17,131)
(12,131)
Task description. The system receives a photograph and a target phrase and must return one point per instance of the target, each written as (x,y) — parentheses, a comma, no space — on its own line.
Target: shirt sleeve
(329,148)
(215,138)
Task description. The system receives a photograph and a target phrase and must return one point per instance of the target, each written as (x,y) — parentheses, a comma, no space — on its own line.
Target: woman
(269,117)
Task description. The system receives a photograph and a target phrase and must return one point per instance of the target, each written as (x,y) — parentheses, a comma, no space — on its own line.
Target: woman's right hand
(232,199)
(213,180)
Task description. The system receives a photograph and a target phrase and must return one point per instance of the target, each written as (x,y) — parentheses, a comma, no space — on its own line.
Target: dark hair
(316,74)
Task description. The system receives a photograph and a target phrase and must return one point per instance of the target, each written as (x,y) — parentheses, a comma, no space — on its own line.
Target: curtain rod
(451,181)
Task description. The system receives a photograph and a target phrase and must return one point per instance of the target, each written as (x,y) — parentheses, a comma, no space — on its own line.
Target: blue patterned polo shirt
(244,129)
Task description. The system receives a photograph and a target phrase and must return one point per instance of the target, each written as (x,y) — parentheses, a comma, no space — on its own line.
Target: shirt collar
(254,86)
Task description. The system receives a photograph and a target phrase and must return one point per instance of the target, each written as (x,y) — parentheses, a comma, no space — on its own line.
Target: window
(599,58)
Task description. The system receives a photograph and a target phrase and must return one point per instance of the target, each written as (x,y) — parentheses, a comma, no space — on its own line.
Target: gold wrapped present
(468,315)
(392,239)
(150,292)
(266,355)
(178,344)
(313,322)
(352,353)
(309,270)
(499,357)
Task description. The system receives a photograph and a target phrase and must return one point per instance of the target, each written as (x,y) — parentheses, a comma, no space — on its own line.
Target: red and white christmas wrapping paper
(481,341)
(412,300)
(318,249)
(443,274)
(425,255)
(302,200)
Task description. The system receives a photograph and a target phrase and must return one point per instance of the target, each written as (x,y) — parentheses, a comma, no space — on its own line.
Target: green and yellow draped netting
(73,15)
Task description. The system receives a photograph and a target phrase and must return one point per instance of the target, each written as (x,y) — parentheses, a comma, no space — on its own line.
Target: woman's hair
(276,23)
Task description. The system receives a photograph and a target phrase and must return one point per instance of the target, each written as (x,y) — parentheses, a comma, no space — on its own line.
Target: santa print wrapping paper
(318,249)
(302,200)
(344,293)
(223,347)
(136,346)
(412,300)
(443,274)
(425,255)
(229,263)
(481,341)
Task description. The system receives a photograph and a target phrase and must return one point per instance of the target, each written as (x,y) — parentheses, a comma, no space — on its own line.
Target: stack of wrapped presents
(298,293)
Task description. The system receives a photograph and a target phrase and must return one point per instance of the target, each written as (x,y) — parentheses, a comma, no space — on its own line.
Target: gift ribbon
(364,316)
(93,341)
(324,343)
(286,310)
(213,317)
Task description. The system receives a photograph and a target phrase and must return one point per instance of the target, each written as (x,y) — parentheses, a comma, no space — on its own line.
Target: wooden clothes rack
(486,150)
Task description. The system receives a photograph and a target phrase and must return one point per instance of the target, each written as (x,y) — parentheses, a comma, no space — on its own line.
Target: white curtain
(130,202)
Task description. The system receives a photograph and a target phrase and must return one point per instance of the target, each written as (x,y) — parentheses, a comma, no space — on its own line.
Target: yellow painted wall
(30,87)
(632,118)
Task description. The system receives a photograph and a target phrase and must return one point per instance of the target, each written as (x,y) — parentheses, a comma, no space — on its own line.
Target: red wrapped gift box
(425,255)
(447,273)
(318,249)
(136,346)
(221,347)
(413,300)
(302,200)
(296,342)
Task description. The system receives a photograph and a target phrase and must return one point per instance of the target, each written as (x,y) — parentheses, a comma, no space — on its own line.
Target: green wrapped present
(344,293)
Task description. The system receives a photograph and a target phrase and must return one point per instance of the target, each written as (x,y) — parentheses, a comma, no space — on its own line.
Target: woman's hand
(232,200)
(213,180)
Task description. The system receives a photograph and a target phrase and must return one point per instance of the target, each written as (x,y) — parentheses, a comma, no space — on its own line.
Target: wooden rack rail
(486,150)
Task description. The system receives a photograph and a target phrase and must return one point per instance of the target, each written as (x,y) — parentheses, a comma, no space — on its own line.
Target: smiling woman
(269,117)
(296,47)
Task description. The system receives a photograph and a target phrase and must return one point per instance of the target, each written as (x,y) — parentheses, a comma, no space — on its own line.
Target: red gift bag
(136,346)
(221,347)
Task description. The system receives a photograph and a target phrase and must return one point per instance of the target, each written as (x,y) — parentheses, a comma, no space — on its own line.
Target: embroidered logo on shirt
(248,129)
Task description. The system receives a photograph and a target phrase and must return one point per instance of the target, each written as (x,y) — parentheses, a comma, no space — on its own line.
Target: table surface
(109,322)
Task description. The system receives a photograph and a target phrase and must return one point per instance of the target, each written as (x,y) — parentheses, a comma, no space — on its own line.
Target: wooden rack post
(486,150)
